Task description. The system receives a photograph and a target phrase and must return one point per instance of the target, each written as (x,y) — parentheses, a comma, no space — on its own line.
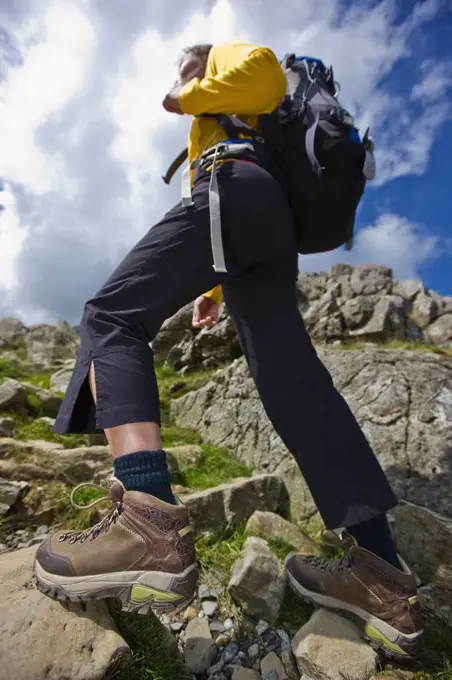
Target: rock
(11,331)
(189,455)
(435,598)
(45,420)
(272,664)
(402,400)
(228,624)
(229,505)
(82,464)
(172,332)
(6,427)
(23,472)
(289,664)
(284,637)
(262,627)
(177,626)
(30,621)
(230,652)
(10,493)
(424,539)
(200,649)
(25,398)
(256,582)
(216,668)
(424,310)
(323,319)
(215,346)
(440,331)
(47,345)
(190,613)
(245,674)
(357,311)
(337,270)
(369,279)
(44,445)
(329,647)
(269,525)
(447,305)
(386,323)
(217,627)
(253,650)
(311,286)
(222,640)
(210,608)
(59,380)
(407,289)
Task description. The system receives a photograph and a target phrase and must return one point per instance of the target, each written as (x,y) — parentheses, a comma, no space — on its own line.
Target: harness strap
(313,120)
(175,165)
(216,236)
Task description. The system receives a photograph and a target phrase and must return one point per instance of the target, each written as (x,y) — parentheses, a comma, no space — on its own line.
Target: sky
(84,140)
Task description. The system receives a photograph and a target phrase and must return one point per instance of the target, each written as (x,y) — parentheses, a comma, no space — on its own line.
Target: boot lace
(101,527)
(331,565)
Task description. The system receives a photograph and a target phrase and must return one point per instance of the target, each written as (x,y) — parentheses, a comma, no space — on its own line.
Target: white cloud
(393,241)
(85,140)
(12,236)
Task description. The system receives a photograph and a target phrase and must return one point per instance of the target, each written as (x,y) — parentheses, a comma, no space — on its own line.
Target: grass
(412,345)
(216,467)
(23,372)
(34,429)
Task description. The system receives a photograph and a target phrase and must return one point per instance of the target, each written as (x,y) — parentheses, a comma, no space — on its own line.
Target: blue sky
(84,140)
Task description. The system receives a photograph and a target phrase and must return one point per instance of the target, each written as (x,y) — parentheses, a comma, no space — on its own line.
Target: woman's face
(192,67)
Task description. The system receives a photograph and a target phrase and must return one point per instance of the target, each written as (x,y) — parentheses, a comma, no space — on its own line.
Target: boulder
(230,505)
(272,668)
(269,525)
(424,539)
(48,345)
(436,597)
(257,582)
(424,311)
(323,319)
(329,647)
(357,311)
(172,332)
(402,400)
(407,289)
(6,427)
(310,286)
(62,642)
(82,464)
(187,455)
(200,649)
(59,380)
(26,398)
(10,493)
(387,321)
(11,331)
(440,331)
(245,674)
(369,279)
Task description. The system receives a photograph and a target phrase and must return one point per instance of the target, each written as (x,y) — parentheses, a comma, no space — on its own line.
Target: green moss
(28,430)
(23,372)
(219,554)
(216,467)
(151,659)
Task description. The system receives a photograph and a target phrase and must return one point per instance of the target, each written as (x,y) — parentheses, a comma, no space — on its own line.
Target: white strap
(187,199)
(219,263)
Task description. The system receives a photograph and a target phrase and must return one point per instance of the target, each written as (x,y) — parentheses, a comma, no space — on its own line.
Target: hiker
(143,551)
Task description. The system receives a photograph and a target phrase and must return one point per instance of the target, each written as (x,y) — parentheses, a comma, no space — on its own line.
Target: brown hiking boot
(142,552)
(380,599)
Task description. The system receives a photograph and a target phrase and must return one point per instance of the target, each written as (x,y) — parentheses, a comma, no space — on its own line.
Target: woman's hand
(205,312)
(171,101)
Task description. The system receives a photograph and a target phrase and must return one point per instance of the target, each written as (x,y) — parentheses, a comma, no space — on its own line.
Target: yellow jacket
(241,79)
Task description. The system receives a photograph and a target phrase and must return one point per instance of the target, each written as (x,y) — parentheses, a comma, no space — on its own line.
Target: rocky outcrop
(269,525)
(402,399)
(361,304)
(40,639)
(48,345)
(27,399)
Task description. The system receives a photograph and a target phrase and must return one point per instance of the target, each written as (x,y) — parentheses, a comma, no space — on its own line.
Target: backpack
(311,145)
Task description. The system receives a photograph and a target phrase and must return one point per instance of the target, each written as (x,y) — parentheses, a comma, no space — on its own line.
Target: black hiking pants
(171,266)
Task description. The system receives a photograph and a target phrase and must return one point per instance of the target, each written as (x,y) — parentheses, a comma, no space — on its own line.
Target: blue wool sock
(145,471)
(375,535)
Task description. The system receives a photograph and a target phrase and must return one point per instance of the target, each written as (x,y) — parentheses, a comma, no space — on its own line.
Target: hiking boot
(142,552)
(380,599)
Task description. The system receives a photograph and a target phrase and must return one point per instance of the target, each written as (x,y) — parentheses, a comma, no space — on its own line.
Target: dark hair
(201,51)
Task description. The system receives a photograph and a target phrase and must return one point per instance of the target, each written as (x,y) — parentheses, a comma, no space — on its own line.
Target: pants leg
(297,392)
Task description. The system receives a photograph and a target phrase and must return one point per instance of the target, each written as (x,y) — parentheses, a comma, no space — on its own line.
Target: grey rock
(216,668)
(59,380)
(230,652)
(172,332)
(245,674)
(311,286)
(289,663)
(10,493)
(11,331)
(357,311)
(37,540)
(257,583)
(229,505)
(329,647)
(424,311)
(386,323)
(228,624)
(92,646)
(447,305)
(209,608)
(176,626)
(200,649)
(435,598)
(337,270)
(187,455)
(284,637)
(82,464)
(49,345)
(270,525)
(440,331)
(217,627)
(253,650)
(368,279)
(323,319)
(402,400)
(272,668)
(408,289)
(6,427)
(424,539)
(262,627)
(22,397)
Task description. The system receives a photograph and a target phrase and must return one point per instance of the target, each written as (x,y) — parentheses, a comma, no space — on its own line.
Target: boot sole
(396,646)
(138,591)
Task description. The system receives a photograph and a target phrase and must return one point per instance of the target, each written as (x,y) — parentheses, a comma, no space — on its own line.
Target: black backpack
(311,145)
